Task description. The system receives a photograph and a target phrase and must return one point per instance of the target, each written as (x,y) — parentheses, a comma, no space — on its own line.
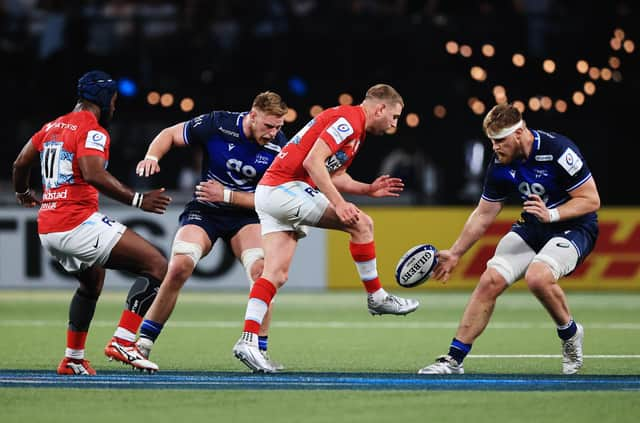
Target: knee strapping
(191,249)
(248,258)
(142,293)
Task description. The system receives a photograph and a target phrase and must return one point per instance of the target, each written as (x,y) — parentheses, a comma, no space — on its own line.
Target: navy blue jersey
(554,168)
(229,157)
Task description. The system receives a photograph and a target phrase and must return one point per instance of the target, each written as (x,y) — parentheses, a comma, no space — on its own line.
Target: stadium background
(219,54)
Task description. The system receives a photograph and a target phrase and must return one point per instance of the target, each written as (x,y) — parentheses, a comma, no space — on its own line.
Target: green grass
(326,332)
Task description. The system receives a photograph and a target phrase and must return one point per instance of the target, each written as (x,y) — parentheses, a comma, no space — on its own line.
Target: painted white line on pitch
(549,356)
(327,325)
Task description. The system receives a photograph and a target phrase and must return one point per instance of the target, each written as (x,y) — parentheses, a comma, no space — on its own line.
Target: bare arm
(480,219)
(172,136)
(94,173)
(22,172)
(214,191)
(383,186)
(584,199)
(314,164)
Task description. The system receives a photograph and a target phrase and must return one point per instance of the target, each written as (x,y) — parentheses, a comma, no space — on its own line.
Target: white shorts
(289,207)
(87,244)
(513,257)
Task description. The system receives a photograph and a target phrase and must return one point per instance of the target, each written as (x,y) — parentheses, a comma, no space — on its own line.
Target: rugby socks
(150,330)
(263,342)
(364,256)
(260,297)
(567,331)
(458,350)
(75,344)
(126,331)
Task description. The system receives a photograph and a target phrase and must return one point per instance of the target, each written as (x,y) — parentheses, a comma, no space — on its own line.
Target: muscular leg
(543,285)
(137,255)
(249,237)
(181,267)
(480,306)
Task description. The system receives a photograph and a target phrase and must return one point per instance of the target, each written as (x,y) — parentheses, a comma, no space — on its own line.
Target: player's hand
(535,206)
(210,191)
(147,167)
(27,199)
(155,201)
(447,260)
(386,186)
(348,213)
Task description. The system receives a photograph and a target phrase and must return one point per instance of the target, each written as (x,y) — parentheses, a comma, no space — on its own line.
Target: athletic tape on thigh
(560,255)
(503,267)
(190,249)
(248,257)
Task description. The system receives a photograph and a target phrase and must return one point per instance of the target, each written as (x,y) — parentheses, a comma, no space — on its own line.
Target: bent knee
(539,277)
(491,283)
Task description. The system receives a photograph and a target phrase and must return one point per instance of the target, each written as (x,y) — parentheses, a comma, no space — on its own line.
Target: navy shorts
(582,233)
(217,222)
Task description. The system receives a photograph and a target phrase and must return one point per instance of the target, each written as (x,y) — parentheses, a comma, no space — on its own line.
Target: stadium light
(127,87)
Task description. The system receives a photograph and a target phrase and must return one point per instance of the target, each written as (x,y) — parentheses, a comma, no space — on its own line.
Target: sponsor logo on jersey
(512,172)
(570,162)
(49,206)
(229,132)
(231,146)
(60,125)
(96,140)
(543,157)
(340,130)
(541,173)
(334,162)
(54,195)
(262,159)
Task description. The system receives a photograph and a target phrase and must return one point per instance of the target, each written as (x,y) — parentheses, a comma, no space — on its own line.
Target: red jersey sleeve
(340,131)
(96,142)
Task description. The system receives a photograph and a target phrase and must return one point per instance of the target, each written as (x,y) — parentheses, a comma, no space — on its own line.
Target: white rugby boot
(572,352)
(444,365)
(392,305)
(247,351)
(277,366)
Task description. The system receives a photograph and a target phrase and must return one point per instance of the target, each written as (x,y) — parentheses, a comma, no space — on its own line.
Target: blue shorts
(217,222)
(582,233)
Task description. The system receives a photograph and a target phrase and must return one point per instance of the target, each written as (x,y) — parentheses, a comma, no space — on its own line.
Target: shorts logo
(562,244)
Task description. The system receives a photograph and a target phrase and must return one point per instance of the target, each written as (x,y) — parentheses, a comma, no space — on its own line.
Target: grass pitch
(327,333)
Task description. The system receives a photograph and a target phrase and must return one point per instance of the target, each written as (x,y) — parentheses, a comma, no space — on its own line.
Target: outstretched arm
(172,136)
(21,174)
(383,186)
(94,173)
(480,219)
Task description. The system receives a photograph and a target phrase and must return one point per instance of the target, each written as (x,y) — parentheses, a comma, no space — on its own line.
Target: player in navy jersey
(557,230)
(238,148)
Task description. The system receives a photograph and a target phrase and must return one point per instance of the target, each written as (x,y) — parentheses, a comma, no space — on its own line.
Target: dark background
(222,53)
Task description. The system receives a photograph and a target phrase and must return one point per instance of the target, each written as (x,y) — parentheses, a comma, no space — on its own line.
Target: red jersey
(67,200)
(341,128)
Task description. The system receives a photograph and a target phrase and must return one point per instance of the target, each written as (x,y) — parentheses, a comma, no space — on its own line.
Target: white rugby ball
(416,265)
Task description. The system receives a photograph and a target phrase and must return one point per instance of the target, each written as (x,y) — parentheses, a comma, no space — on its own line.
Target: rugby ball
(416,265)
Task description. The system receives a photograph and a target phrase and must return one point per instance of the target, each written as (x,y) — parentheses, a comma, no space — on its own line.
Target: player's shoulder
(552,143)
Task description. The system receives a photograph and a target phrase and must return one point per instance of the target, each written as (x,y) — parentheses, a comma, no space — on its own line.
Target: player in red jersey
(73,152)
(303,188)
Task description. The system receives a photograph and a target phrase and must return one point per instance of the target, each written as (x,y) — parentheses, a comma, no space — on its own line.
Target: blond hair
(499,117)
(385,93)
(270,103)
